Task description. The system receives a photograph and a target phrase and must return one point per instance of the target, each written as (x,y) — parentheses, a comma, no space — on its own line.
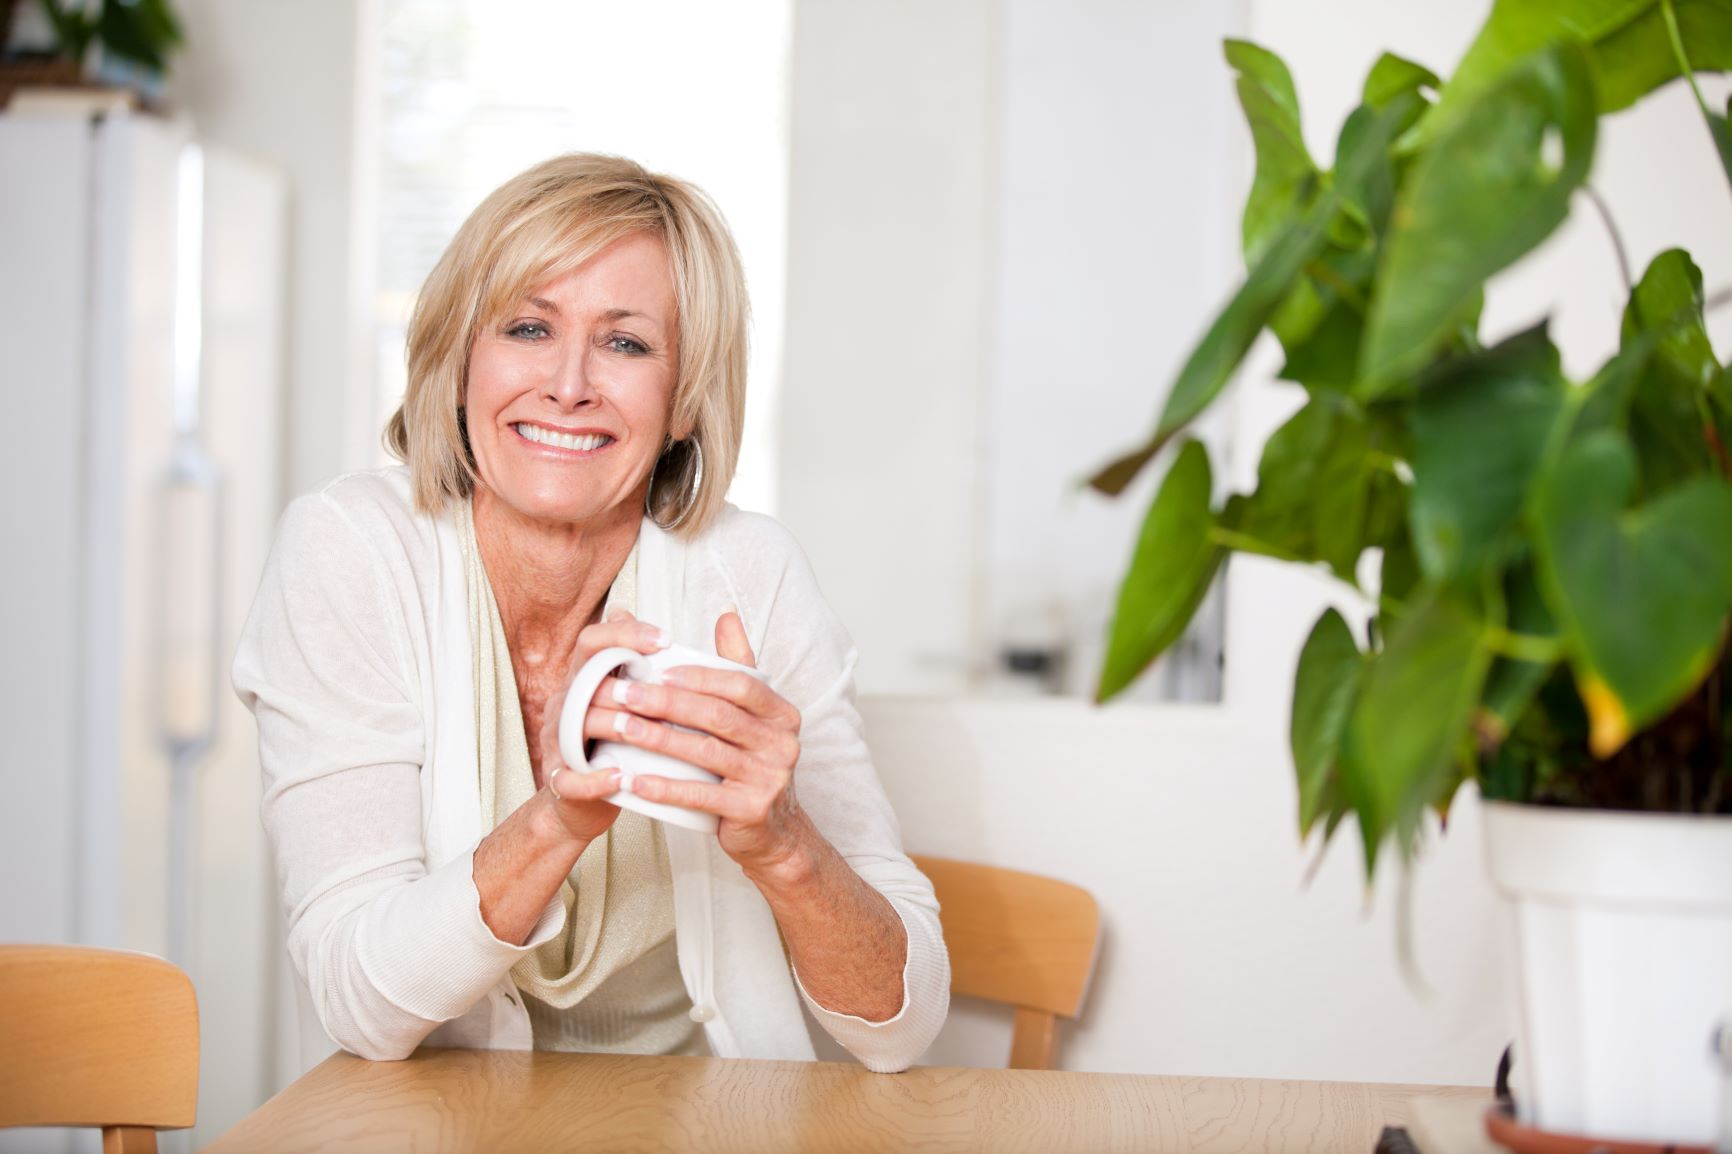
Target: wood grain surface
(463,1100)
(94,1037)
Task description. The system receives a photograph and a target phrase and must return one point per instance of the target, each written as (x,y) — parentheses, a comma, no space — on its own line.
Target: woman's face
(569,395)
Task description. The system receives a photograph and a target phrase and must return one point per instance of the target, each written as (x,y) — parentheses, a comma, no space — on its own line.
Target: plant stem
(1388,462)
(1617,238)
(1339,284)
(1524,646)
(1678,51)
(1245,543)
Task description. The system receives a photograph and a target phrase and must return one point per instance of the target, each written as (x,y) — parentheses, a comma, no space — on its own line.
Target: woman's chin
(562,509)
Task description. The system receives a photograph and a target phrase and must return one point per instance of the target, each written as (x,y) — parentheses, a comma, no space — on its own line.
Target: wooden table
(452,1100)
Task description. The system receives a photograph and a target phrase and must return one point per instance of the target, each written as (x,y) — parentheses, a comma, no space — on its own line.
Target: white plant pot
(1621,925)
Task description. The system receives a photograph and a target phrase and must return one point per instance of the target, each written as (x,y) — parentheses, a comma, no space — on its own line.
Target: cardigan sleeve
(387,948)
(809,658)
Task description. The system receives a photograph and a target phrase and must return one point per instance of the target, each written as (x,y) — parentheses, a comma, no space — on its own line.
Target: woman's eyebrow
(615,314)
(612,315)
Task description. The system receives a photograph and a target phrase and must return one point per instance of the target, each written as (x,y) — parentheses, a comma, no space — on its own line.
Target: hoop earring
(689,501)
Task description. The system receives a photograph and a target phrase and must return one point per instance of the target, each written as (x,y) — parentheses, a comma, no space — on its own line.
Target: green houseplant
(135,38)
(139,32)
(1551,559)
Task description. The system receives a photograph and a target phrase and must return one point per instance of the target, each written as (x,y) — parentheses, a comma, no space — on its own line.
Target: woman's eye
(626,345)
(527,330)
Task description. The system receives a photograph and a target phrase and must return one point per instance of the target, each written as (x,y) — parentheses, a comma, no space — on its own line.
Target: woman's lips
(579,444)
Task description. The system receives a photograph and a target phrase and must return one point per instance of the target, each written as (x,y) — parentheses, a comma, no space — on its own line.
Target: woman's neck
(548,579)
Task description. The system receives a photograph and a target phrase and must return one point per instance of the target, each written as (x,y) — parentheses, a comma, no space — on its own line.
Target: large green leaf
(1365,170)
(1626,41)
(1668,301)
(1484,194)
(1391,76)
(1642,594)
(1666,408)
(1479,431)
(1170,571)
(1638,58)
(1412,712)
(1285,175)
(1330,667)
(1313,485)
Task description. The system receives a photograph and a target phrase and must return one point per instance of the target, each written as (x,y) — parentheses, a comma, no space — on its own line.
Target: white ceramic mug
(632,760)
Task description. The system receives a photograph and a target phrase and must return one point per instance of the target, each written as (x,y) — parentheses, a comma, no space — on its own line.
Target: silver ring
(551,778)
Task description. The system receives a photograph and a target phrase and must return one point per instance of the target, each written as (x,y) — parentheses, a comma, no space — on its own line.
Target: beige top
(610,982)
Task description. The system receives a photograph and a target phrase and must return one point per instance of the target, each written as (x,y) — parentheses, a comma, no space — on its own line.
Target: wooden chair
(97,1038)
(1021,939)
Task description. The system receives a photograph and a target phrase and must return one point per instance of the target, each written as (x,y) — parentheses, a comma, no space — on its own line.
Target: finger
(702,711)
(627,631)
(700,749)
(619,613)
(749,693)
(601,724)
(731,641)
(733,804)
(572,786)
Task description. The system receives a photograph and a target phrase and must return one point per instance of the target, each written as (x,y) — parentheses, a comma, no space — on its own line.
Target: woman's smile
(581,372)
(573,443)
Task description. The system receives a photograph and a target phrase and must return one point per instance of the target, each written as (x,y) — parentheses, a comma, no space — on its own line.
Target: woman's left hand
(747,734)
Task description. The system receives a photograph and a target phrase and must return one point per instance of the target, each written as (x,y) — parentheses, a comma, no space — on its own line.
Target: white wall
(1007,220)
(1115,197)
(889,265)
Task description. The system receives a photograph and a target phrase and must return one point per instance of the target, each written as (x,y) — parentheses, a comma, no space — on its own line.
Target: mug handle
(577,702)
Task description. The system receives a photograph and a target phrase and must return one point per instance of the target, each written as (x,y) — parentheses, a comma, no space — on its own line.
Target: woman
(576,394)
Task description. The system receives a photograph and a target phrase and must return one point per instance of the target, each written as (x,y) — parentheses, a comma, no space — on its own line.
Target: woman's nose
(572,384)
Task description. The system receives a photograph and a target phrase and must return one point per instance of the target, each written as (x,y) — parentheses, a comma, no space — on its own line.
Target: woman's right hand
(578,796)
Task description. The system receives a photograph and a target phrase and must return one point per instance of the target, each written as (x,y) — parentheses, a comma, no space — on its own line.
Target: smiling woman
(579,378)
(572,420)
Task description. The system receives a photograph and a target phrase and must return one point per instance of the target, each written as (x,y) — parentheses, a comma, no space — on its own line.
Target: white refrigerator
(141,350)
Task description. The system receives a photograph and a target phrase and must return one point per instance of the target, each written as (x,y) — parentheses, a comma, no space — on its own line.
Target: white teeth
(543,436)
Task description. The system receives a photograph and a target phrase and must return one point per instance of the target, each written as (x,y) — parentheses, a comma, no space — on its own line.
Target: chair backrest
(97,1038)
(1021,939)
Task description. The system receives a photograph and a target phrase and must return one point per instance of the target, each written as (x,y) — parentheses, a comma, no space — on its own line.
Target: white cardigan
(356,663)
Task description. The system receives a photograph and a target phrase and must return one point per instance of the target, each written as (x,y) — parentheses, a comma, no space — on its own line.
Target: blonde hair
(536,228)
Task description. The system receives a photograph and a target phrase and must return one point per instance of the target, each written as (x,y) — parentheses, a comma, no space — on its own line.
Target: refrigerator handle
(189,658)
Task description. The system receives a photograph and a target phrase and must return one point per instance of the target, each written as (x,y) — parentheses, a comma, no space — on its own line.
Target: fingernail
(663,638)
(673,677)
(622,692)
(620,721)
